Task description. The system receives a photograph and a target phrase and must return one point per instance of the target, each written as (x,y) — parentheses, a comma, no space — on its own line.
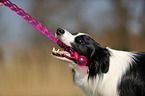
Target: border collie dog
(108,72)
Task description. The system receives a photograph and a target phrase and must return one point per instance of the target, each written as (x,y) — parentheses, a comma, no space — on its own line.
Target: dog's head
(83,44)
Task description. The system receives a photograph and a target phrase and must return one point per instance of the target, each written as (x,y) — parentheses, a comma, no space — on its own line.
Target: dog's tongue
(61,52)
(81,60)
(68,49)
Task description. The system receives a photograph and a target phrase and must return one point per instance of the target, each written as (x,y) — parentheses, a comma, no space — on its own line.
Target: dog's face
(84,45)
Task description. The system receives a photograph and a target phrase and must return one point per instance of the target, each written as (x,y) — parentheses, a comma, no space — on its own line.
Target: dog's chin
(63,56)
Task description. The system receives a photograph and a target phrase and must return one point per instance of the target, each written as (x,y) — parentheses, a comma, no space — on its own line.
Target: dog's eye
(79,40)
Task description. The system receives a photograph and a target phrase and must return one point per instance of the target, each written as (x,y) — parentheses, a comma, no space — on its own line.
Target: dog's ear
(93,68)
(103,60)
(99,62)
(104,65)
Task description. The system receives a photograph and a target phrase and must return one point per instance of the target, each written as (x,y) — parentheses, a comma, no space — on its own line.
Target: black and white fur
(108,72)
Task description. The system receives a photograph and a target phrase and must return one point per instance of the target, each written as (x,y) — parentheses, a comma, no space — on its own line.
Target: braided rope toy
(81,60)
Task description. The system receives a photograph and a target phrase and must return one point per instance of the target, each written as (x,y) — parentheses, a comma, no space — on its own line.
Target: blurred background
(26,65)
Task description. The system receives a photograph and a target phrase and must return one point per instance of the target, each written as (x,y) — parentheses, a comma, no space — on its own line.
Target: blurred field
(36,73)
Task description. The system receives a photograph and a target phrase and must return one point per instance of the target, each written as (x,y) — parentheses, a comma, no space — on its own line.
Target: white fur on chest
(105,84)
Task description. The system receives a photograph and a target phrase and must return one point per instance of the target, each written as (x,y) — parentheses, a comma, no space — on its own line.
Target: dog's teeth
(53,50)
(58,50)
(68,55)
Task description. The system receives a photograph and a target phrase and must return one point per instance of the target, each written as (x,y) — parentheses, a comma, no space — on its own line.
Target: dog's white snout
(65,36)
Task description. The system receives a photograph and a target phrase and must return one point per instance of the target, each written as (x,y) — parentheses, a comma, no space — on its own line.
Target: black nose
(60,31)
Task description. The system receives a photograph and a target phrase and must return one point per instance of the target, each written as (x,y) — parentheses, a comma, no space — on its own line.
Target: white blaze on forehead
(79,34)
(68,38)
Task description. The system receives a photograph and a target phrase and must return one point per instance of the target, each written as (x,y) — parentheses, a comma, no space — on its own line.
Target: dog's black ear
(103,60)
(104,65)
(93,68)
(99,62)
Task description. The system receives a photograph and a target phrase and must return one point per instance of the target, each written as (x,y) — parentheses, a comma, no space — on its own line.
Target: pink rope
(42,29)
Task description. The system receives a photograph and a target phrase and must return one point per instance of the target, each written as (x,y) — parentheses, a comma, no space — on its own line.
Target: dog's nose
(60,31)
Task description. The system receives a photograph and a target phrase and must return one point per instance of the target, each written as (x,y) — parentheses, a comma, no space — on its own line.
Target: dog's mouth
(62,55)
